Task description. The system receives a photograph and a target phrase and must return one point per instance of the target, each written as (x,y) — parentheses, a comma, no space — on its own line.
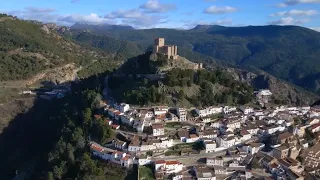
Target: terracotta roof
(114,126)
(117,112)
(126,158)
(244,132)
(315,126)
(96,147)
(160,162)
(273,165)
(193,136)
(172,162)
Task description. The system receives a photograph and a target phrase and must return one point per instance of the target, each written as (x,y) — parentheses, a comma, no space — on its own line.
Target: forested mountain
(27,49)
(287,52)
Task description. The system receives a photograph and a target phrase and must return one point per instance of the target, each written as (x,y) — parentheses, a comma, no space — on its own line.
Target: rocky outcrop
(282,91)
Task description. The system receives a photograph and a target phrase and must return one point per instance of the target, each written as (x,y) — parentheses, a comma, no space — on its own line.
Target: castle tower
(170,51)
(159,42)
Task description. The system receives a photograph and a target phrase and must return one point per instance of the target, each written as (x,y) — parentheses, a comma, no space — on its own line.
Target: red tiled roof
(125,158)
(315,126)
(244,132)
(273,165)
(117,112)
(160,162)
(193,136)
(96,147)
(114,126)
(172,162)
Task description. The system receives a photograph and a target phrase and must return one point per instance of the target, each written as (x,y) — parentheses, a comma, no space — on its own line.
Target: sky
(184,14)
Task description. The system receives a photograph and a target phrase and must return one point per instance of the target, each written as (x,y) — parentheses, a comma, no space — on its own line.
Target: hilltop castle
(171,51)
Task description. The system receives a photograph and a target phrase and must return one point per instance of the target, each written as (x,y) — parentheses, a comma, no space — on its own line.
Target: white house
(216,124)
(124,107)
(210,146)
(100,151)
(217,161)
(226,142)
(209,111)
(234,124)
(134,146)
(315,128)
(158,129)
(168,166)
(253,148)
(147,146)
(182,114)
(126,161)
(209,133)
(245,135)
(204,173)
(160,110)
(253,130)
(227,109)
(144,161)
(119,144)
(192,138)
(246,110)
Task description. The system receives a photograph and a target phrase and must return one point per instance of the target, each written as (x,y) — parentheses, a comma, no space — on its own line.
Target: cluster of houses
(219,129)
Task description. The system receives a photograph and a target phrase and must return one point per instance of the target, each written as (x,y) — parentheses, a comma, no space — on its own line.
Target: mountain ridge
(287,52)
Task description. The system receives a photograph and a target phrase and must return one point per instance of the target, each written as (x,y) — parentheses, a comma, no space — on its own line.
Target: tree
(86,115)
(50,176)
(181,94)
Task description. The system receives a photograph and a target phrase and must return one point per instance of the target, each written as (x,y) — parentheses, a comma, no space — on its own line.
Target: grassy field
(145,173)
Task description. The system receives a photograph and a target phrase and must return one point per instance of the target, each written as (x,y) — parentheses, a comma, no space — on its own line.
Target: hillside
(150,79)
(287,52)
(27,49)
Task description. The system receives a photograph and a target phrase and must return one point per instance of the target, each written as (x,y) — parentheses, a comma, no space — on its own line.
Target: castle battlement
(171,51)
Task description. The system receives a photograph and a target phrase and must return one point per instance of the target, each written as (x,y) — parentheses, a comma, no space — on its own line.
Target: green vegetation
(210,87)
(109,44)
(173,153)
(145,173)
(176,124)
(235,92)
(26,50)
(53,143)
(287,52)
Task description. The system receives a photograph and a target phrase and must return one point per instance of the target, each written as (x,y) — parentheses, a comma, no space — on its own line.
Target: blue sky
(168,13)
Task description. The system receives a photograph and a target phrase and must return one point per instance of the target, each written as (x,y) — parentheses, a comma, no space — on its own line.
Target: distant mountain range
(287,52)
(102,27)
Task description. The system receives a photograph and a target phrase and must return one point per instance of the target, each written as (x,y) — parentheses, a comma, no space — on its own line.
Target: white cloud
(89,19)
(49,15)
(296,13)
(289,21)
(136,17)
(295,2)
(219,10)
(154,6)
(315,28)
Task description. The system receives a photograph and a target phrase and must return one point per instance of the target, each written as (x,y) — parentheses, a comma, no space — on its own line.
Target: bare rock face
(282,91)
(45,29)
(59,75)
